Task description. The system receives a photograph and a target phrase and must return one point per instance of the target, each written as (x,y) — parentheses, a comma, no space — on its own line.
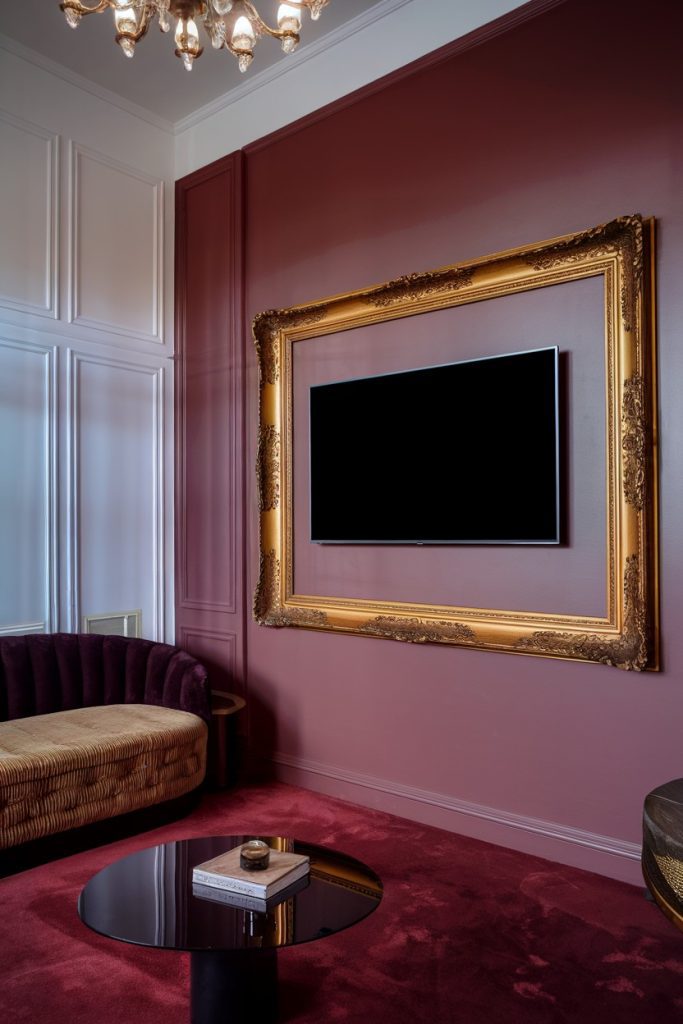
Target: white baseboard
(604,855)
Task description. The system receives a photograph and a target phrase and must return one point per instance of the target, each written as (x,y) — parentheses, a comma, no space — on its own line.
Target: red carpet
(466,933)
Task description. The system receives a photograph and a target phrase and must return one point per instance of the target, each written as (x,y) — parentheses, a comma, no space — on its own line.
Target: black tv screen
(465,453)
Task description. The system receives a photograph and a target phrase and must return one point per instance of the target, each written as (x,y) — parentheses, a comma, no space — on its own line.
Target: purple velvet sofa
(94,726)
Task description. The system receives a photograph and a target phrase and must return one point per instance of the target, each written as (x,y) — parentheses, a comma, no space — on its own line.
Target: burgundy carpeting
(466,932)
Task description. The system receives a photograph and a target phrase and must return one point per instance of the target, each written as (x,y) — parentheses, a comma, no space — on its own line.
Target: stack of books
(222,880)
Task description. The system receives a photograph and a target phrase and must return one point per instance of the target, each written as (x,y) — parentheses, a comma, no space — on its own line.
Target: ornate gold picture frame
(627,635)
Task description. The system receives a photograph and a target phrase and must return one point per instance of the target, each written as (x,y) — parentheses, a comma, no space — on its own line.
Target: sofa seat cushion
(70,768)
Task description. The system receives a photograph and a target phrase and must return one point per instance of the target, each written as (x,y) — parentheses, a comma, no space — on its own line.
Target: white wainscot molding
(29,221)
(22,629)
(115,473)
(28,485)
(116,247)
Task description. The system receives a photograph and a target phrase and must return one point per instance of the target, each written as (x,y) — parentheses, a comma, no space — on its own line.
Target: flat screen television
(465,453)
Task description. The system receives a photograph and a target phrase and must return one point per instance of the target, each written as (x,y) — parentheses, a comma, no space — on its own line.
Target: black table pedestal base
(234,987)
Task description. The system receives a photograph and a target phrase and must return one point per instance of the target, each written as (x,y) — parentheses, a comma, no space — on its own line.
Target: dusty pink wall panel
(209,421)
(209,496)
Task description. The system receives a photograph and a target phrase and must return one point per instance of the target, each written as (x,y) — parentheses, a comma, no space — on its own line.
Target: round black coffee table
(147,899)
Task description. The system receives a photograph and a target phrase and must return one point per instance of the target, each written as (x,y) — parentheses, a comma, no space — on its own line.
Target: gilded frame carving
(628,636)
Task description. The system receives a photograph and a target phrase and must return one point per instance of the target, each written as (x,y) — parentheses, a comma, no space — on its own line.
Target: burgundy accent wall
(561,124)
(210,465)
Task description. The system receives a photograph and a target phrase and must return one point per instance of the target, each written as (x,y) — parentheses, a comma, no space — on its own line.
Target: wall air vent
(114,623)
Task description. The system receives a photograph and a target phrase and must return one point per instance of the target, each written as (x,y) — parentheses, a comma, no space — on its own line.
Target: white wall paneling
(22,628)
(28,484)
(86,326)
(29,172)
(116,247)
(115,520)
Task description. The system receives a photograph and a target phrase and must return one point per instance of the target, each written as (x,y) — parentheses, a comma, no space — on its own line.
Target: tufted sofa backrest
(41,673)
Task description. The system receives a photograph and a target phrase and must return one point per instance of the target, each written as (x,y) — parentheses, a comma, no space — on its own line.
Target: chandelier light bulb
(243,37)
(125,19)
(289,19)
(187,41)
(192,35)
(187,36)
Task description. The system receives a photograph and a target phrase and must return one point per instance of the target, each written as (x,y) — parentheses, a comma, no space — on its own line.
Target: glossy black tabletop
(147,898)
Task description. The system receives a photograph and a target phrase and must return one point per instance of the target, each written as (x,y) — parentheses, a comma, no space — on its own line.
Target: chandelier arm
(227,45)
(303,5)
(82,8)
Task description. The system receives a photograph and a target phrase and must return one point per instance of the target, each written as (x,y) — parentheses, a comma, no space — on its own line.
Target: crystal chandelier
(233,25)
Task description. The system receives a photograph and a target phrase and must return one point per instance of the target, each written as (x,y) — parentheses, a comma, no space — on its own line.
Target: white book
(228,898)
(224,872)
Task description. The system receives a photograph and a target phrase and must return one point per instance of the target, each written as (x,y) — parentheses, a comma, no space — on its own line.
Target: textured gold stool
(663,848)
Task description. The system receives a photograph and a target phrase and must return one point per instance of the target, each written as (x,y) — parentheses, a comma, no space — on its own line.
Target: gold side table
(224,738)
(663,848)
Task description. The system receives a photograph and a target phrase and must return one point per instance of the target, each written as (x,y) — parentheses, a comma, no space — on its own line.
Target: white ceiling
(155,79)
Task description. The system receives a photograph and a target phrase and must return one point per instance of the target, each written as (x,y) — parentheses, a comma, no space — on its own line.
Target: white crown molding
(536,826)
(301,56)
(80,82)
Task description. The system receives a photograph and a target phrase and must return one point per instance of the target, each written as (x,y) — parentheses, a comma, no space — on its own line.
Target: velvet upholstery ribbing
(43,673)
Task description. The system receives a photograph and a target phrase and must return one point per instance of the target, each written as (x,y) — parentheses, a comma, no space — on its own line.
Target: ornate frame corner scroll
(627,637)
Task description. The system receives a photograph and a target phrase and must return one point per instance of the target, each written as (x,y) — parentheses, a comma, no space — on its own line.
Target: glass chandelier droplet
(127,45)
(73,18)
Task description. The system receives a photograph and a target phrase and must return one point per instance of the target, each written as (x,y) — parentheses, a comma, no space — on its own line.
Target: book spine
(230,899)
(231,884)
